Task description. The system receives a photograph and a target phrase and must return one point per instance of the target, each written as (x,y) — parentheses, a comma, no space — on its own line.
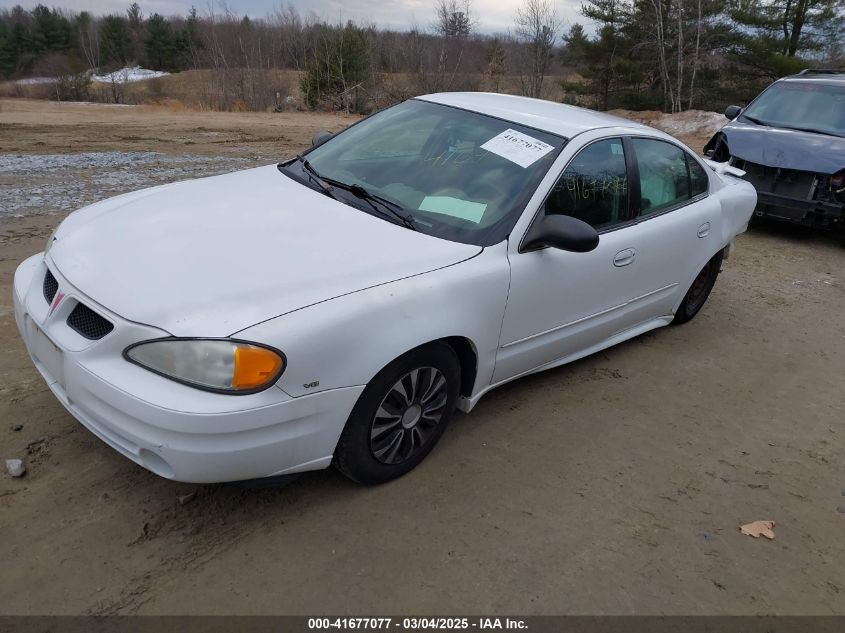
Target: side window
(664,180)
(699,183)
(594,187)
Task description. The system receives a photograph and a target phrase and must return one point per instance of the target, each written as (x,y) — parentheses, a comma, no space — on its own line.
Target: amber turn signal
(255,366)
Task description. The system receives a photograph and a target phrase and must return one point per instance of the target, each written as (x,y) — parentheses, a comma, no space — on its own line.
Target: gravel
(60,183)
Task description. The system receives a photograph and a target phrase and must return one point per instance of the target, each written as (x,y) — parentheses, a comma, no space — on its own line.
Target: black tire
(392,427)
(699,291)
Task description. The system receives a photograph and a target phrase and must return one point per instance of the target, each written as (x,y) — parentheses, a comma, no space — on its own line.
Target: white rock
(15,467)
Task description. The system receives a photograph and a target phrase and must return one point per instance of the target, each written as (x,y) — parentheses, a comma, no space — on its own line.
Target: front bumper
(173,430)
(818,213)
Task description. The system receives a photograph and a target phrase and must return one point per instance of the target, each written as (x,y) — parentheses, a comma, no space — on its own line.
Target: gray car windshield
(801,105)
(451,173)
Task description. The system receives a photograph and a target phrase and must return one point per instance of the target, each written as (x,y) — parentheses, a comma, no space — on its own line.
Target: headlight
(223,365)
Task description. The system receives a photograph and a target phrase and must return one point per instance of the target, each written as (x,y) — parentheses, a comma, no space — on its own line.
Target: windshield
(801,105)
(454,174)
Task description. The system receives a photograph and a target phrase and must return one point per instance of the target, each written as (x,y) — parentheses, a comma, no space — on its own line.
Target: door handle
(625,257)
(704,230)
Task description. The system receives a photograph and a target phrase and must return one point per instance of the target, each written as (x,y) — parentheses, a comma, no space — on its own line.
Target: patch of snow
(691,122)
(688,123)
(129,75)
(60,183)
(35,81)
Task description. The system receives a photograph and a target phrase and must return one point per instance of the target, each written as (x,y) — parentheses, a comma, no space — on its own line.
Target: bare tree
(89,39)
(660,32)
(695,56)
(453,24)
(454,18)
(677,106)
(290,28)
(496,58)
(537,26)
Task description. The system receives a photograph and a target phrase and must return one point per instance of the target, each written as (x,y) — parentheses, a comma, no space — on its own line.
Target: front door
(563,303)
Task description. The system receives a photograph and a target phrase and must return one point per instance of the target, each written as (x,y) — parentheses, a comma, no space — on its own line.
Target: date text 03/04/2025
(419,623)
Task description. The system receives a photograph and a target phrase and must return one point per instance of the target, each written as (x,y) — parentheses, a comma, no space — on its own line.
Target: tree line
(657,54)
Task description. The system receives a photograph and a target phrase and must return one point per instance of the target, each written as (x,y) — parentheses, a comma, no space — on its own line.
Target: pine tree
(115,41)
(8,54)
(605,55)
(159,44)
(52,30)
(135,26)
(188,43)
(774,33)
(340,63)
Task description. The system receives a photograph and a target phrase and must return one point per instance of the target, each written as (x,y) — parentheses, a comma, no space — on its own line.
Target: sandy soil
(614,485)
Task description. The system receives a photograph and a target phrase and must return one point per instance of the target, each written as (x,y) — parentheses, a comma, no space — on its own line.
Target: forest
(668,55)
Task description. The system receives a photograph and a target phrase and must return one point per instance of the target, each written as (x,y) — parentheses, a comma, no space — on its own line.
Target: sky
(494,15)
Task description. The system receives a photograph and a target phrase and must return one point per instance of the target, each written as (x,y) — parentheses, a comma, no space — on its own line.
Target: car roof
(818,76)
(557,118)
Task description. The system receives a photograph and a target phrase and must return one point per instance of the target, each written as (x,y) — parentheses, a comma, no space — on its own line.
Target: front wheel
(699,290)
(400,416)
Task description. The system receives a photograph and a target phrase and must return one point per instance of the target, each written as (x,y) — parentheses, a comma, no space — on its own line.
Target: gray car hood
(790,149)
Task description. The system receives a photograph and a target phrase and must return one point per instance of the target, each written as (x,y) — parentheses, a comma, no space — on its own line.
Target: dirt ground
(47,127)
(615,485)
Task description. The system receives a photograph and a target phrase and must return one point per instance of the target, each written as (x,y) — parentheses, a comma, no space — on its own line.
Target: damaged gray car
(790,142)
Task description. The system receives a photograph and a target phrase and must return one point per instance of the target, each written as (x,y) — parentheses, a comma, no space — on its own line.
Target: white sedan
(337,308)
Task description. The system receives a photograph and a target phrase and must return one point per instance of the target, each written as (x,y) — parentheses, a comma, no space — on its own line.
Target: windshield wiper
(358,191)
(370,198)
(315,177)
(755,120)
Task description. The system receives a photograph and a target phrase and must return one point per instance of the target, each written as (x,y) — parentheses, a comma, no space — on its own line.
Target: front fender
(345,341)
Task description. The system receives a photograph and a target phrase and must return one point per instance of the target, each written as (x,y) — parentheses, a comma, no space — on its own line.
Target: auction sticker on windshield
(517,147)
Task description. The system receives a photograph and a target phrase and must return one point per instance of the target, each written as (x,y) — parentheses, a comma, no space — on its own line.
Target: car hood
(213,256)
(790,149)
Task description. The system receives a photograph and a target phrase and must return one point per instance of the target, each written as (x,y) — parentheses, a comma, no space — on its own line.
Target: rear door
(680,223)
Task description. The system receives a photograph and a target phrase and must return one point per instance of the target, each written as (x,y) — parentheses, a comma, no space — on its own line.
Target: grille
(51,286)
(88,323)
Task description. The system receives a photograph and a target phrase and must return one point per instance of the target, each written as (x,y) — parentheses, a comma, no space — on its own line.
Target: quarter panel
(738,199)
(347,340)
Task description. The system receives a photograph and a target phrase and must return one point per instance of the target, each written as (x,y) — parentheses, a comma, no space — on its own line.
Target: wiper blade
(370,198)
(755,120)
(315,177)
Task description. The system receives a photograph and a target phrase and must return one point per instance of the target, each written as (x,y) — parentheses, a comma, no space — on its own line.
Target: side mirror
(563,232)
(320,137)
(732,112)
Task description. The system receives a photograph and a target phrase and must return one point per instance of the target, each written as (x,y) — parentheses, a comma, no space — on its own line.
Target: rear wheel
(400,416)
(700,289)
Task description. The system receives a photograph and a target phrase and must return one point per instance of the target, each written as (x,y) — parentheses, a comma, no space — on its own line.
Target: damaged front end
(794,183)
